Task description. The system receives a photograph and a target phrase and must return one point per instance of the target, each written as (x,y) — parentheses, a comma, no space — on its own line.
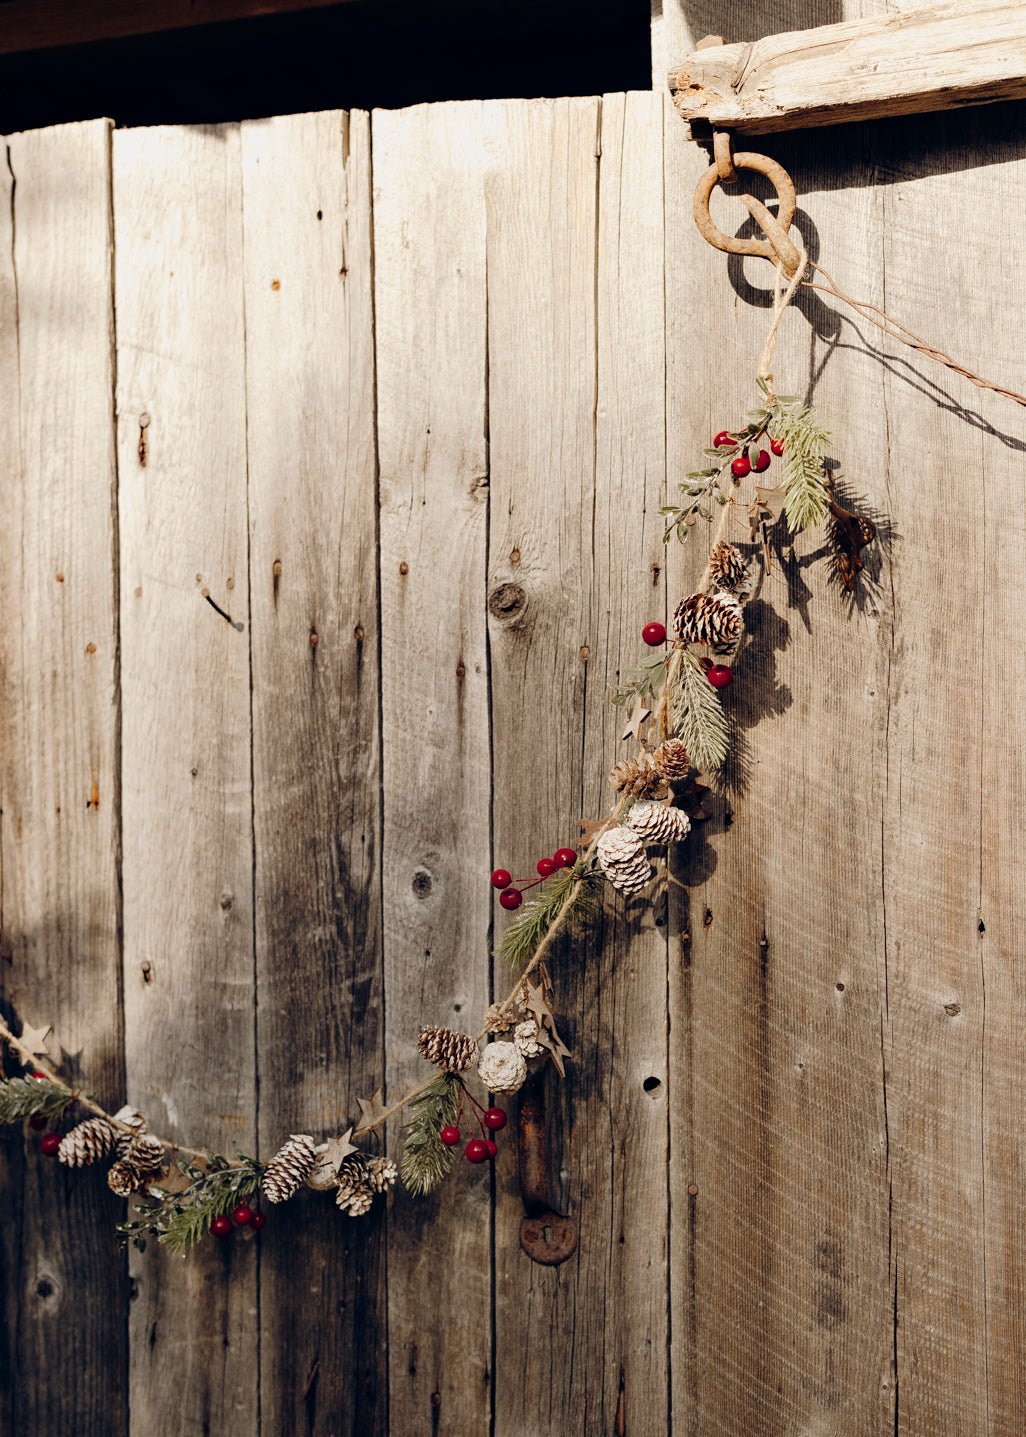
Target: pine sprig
(804,440)
(537,915)
(22,1098)
(426,1160)
(180,1220)
(696,714)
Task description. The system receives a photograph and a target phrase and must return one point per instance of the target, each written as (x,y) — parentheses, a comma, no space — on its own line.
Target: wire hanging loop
(776,246)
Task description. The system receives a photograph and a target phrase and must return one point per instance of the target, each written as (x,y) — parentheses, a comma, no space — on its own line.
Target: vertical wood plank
(313,548)
(60,958)
(431,328)
(188,852)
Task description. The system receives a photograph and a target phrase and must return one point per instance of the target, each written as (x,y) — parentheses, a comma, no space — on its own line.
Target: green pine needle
(697,715)
(180,1220)
(22,1098)
(426,1160)
(537,915)
(804,439)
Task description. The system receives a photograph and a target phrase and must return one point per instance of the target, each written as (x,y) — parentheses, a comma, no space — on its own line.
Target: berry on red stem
(49,1144)
(724,440)
(654,634)
(221,1226)
(476,1150)
(762,463)
(493,1148)
(720,676)
(565,857)
(494,1120)
(546,867)
(501,878)
(37,1122)
(741,466)
(450,1136)
(243,1215)
(511,898)
(777,445)
(258,1220)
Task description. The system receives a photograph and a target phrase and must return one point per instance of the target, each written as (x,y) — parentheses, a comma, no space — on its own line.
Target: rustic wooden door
(333,452)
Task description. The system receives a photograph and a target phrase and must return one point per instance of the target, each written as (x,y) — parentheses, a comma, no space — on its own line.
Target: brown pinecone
(133,1119)
(123,1179)
(450,1050)
(356,1185)
(713,619)
(656,823)
(497,1021)
(357,1203)
(525,1038)
(87,1143)
(671,759)
(140,1164)
(638,777)
(381,1174)
(621,855)
(728,567)
(287,1170)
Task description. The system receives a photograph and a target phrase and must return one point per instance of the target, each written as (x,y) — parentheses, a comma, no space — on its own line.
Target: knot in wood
(507,601)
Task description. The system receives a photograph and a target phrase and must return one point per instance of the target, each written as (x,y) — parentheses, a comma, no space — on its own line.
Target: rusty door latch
(547,1237)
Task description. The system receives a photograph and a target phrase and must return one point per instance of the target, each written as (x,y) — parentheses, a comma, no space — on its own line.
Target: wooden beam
(942,57)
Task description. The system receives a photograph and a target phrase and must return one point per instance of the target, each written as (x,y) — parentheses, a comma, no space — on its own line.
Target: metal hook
(776,246)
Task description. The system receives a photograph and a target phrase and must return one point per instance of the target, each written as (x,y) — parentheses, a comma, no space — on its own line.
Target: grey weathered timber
(940,57)
(432,370)
(185,683)
(316,775)
(65,1280)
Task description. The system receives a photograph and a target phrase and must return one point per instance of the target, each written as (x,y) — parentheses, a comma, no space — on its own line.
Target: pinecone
(140,1164)
(381,1174)
(671,759)
(133,1119)
(450,1050)
(621,855)
(351,1176)
(713,619)
(638,777)
(657,823)
(502,1068)
(123,1179)
(87,1143)
(358,1203)
(359,1180)
(728,567)
(497,1021)
(287,1170)
(525,1038)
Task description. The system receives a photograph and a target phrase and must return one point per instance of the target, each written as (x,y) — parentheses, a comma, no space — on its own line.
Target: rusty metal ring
(776,247)
(723,153)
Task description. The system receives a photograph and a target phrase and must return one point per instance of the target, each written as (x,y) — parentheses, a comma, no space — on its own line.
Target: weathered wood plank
(188,852)
(940,57)
(313,555)
(66,1281)
(431,331)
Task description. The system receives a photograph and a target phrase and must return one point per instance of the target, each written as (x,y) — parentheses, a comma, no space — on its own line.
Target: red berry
(494,1120)
(501,878)
(37,1122)
(492,1148)
(258,1220)
(45,1076)
(511,898)
(221,1226)
(49,1144)
(762,463)
(546,867)
(741,466)
(654,634)
(724,440)
(565,857)
(450,1136)
(777,445)
(720,676)
(243,1215)
(476,1151)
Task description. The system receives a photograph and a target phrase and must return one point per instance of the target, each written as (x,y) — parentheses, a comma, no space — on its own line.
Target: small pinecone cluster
(639,777)
(672,760)
(502,1067)
(498,1020)
(455,1052)
(657,823)
(360,1179)
(728,567)
(525,1038)
(287,1171)
(141,1160)
(87,1143)
(712,619)
(622,857)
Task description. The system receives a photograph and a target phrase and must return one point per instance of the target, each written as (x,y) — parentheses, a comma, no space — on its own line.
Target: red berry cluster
(490,1120)
(242,1216)
(512,897)
(717,674)
(743,465)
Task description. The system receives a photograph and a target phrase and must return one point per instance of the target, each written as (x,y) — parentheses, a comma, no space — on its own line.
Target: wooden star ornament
(639,713)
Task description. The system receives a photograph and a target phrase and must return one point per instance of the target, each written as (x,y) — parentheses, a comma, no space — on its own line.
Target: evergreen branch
(22,1098)
(426,1160)
(570,887)
(804,439)
(696,714)
(180,1220)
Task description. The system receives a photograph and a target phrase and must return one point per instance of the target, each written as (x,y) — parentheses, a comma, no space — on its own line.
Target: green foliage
(180,1220)
(536,916)
(696,714)
(22,1098)
(804,439)
(426,1160)
(645,682)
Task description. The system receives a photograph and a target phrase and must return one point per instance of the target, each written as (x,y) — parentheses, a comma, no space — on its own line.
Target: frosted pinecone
(357,1203)
(525,1037)
(712,619)
(728,568)
(133,1119)
(140,1165)
(123,1178)
(672,760)
(621,855)
(450,1050)
(286,1173)
(381,1174)
(657,823)
(502,1068)
(638,777)
(88,1143)
(498,1021)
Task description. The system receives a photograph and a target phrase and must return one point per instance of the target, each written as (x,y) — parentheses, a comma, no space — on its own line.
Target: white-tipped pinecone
(525,1037)
(497,1021)
(450,1050)
(286,1173)
(123,1178)
(87,1143)
(502,1068)
(381,1174)
(727,566)
(712,619)
(656,823)
(638,777)
(621,854)
(357,1203)
(139,1166)
(671,759)
(133,1119)
(351,1175)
